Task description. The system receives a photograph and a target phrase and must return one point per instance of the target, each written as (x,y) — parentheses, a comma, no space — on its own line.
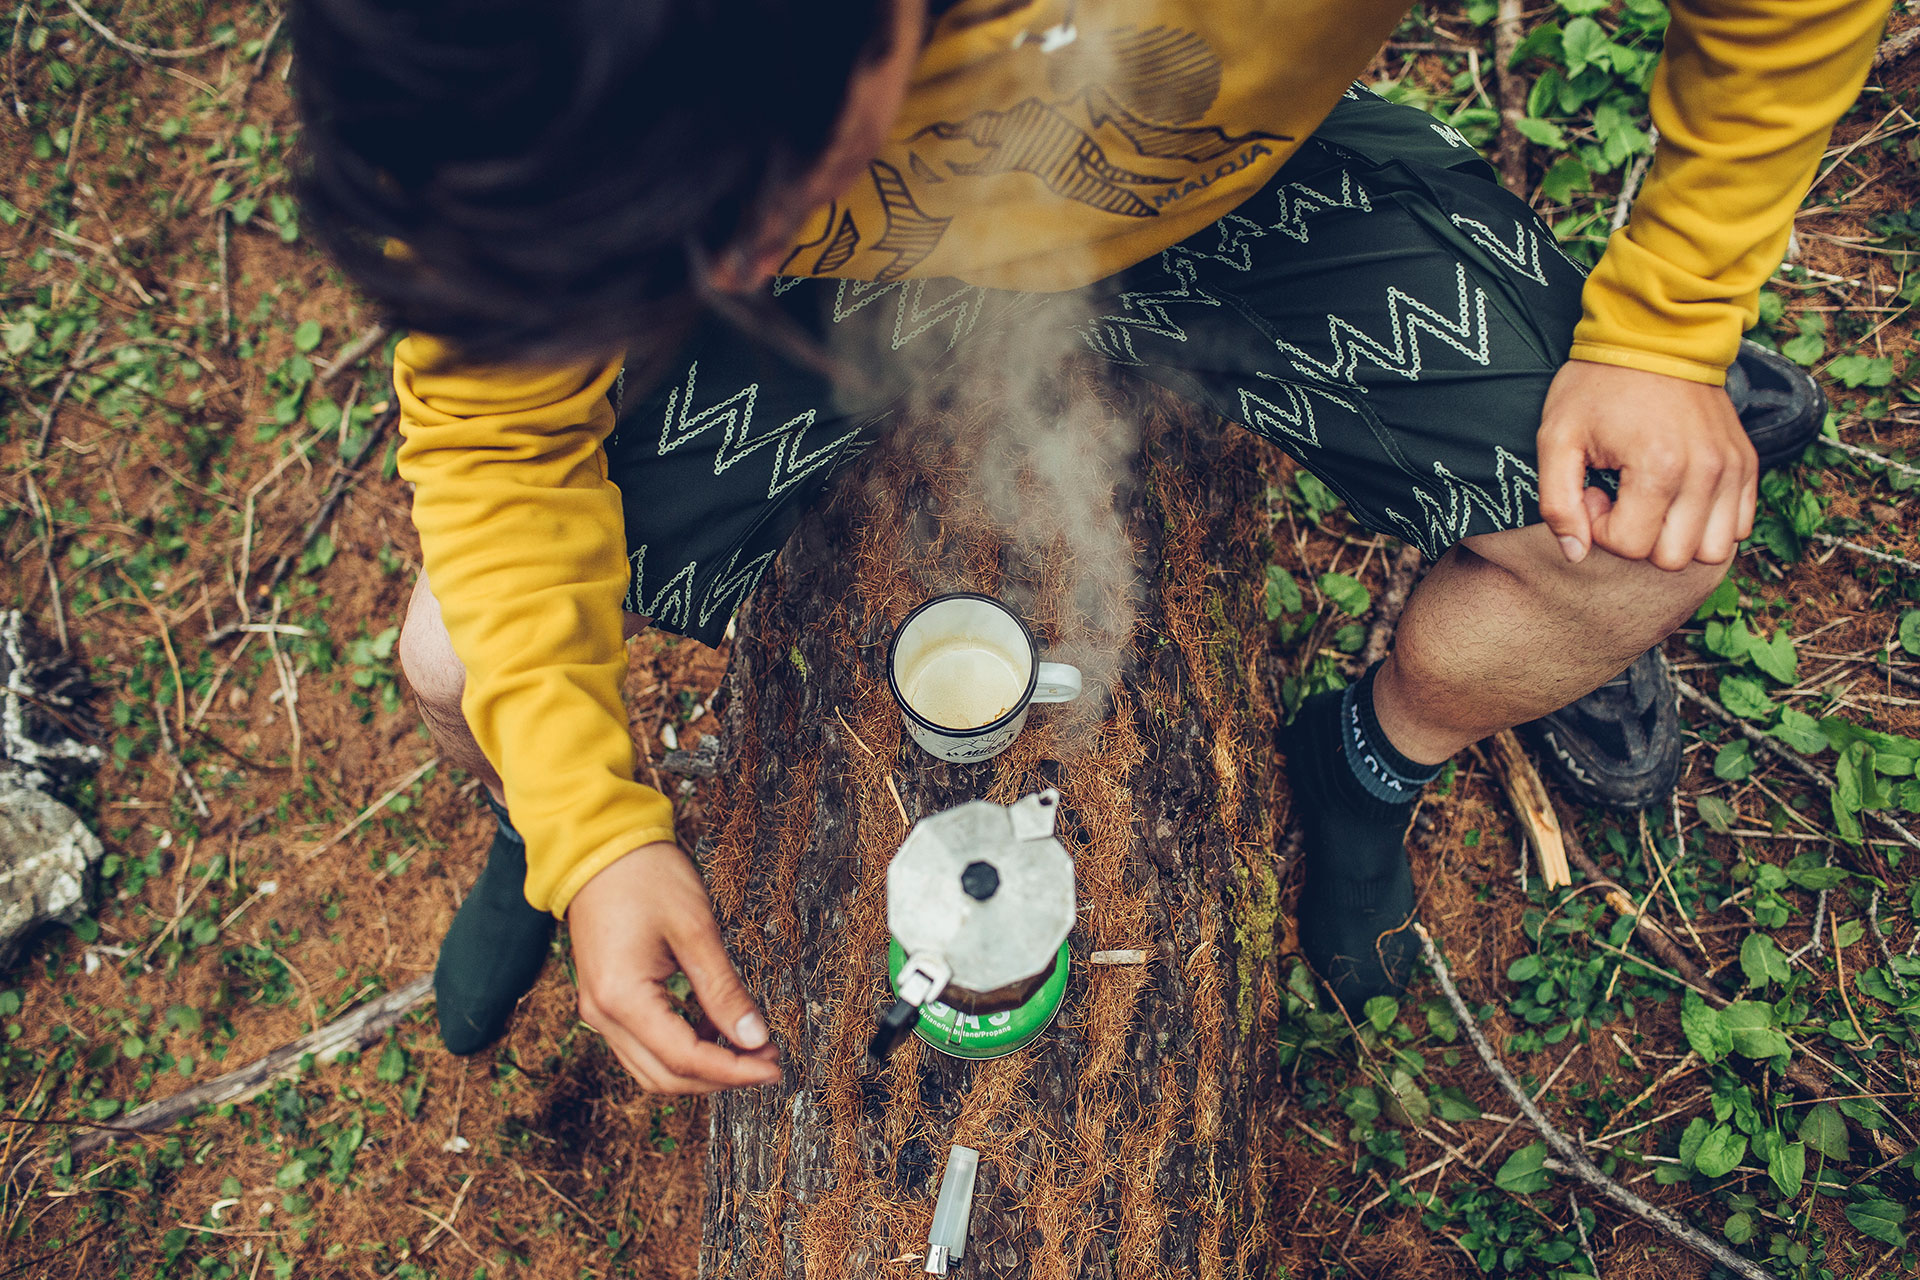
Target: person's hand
(1688,474)
(633,925)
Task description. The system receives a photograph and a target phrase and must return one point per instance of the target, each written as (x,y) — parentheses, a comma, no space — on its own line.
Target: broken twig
(346,1034)
(1574,1159)
(1531,804)
(138,50)
(1401,575)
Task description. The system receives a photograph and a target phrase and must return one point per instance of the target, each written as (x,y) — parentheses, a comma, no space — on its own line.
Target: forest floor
(186,382)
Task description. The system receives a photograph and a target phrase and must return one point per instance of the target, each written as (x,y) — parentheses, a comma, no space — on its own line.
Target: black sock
(1380,768)
(1354,793)
(495,949)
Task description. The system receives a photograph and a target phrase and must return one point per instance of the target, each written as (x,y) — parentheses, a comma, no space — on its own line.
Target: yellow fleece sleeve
(523,541)
(1745,97)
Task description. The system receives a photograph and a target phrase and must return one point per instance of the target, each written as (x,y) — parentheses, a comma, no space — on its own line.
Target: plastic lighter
(947,1239)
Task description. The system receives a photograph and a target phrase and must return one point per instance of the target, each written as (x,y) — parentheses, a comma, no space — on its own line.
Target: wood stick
(1896,47)
(349,1033)
(1645,927)
(1531,804)
(1576,1160)
(1811,772)
(46,550)
(60,392)
(179,765)
(350,355)
(1511,155)
(1630,187)
(1869,455)
(226,287)
(138,50)
(369,811)
(1401,575)
(348,477)
(1871,553)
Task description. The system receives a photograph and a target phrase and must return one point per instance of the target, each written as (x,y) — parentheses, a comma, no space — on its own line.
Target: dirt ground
(308,885)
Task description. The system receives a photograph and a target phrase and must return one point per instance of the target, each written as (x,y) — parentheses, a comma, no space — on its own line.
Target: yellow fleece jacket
(1045,144)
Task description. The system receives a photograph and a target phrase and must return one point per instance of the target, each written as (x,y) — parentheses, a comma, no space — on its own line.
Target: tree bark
(1126,1141)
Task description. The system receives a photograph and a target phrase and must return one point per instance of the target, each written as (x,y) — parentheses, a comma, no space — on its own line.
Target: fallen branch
(138,50)
(1572,1157)
(1811,772)
(1644,926)
(1401,575)
(1511,155)
(348,1034)
(60,392)
(1623,207)
(385,800)
(45,516)
(702,761)
(1896,47)
(1871,553)
(1869,455)
(348,476)
(179,764)
(1531,804)
(351,355)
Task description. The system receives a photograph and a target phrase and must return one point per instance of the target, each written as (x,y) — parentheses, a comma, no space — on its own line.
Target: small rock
(47,857)
(47,854)
(237,697)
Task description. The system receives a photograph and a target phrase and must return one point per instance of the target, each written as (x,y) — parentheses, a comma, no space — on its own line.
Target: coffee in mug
(964,670)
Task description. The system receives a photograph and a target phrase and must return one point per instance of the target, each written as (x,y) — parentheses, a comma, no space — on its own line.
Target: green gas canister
(980,899)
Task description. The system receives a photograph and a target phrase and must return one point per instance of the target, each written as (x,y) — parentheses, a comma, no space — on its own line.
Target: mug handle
(1057,682)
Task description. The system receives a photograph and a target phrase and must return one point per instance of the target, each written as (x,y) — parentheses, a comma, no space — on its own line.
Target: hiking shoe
(1619,746)
(1779,403)
(495,950)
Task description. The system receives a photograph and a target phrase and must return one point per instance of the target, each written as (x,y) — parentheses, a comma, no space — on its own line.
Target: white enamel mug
(964,670)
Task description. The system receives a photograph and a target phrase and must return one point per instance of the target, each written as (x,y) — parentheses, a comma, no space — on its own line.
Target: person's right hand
(633,925)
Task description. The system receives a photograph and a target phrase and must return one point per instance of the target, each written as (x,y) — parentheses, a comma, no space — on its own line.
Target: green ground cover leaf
(1732,763)
(1761,960)
(1751,1028)
(1745,697)
(1787,1166)
(1346,592)
(1777,657)
(1800,731)
(1524,1172)
(1705,1032)
(1283,593)
(1720,1151)
(1878,1219)
(1717,813)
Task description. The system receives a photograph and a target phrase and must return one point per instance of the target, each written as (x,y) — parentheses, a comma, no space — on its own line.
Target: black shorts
(1383,310)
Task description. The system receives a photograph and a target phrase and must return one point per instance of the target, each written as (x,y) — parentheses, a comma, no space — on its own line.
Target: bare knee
(1604,589)
(426,654)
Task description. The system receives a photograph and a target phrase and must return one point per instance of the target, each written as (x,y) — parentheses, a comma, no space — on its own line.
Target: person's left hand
(1688,475)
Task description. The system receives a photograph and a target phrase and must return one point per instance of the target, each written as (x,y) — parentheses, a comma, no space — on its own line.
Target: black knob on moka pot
(980,899)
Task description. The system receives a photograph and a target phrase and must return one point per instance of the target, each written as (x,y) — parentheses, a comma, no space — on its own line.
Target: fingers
(1563,480)
(703,958)
(663,1053)
(1683,534)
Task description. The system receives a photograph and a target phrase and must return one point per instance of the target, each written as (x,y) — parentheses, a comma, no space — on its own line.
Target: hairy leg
(438,680)
(1503,630)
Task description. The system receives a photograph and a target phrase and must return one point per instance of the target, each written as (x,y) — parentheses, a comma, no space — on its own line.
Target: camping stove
(980,899)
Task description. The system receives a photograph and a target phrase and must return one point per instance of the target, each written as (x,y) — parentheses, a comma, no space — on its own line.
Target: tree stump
(1127,1141)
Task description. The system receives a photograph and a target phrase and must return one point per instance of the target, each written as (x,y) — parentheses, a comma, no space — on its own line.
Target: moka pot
(980,900)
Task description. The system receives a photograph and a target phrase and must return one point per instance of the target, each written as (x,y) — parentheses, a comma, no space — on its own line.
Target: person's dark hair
(532,180)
